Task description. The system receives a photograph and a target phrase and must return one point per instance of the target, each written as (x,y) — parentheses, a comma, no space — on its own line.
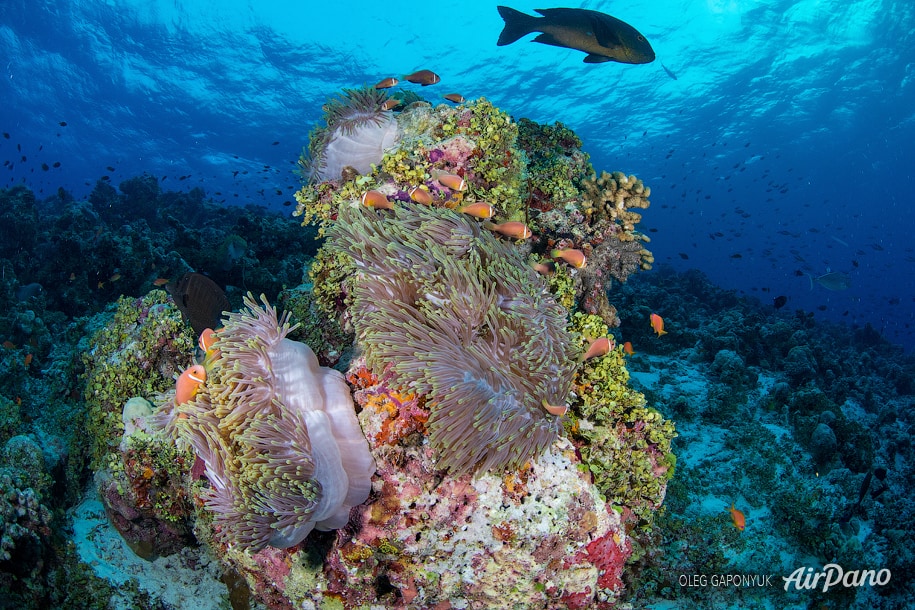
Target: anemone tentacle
(279,439)
(459,316)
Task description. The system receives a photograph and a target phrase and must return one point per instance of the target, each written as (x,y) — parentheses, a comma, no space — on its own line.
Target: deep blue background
(786,138)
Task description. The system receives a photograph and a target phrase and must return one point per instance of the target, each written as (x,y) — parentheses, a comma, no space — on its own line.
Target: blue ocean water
(782,146)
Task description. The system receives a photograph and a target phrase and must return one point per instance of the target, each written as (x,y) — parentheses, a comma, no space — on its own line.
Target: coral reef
(809,414)
(317,328)
(24,518)
(540,537)
(84,254)
(527,172)
(475,141)
(144,487)
(137,353)
(460,318)
(276,432)
(625,444)
(556,165)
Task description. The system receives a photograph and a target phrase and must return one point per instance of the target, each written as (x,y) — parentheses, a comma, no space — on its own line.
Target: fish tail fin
(517,24)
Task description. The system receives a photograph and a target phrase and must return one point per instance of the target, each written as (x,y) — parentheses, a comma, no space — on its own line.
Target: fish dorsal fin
(604,31)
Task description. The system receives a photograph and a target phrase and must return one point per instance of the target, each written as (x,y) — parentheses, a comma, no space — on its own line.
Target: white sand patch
(189,579)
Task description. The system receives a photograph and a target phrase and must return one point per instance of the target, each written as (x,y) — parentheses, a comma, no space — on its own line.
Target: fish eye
(641,38)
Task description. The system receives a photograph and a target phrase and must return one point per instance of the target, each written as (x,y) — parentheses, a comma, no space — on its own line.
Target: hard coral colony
(277,433)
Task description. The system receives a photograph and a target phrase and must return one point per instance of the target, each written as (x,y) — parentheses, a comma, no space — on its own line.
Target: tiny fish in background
(779,301)
(457,98)
(602,37)
(627,347)
(657,323)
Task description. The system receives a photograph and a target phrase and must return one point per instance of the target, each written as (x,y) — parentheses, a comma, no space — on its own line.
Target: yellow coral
(614,197)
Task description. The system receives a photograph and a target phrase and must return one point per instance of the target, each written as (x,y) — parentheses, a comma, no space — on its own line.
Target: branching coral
(282,447)
(461,318)
(614,196)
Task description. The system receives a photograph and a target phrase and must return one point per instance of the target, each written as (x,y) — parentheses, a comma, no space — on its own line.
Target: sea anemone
(459,316)
(357,132)
(277,433)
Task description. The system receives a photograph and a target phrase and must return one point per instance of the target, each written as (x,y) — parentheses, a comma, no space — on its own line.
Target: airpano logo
(833,575)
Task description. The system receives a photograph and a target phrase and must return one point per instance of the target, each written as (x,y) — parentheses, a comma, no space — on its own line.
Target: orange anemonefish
(207,338)
(457,98)
(377,200)
(478,209)
(512,228)
(574,257)
(390,103)
(188,383)
(455,183)
(546,268)
(627,347)
(554,409)
(423,77)
(657,323)
(740,522)
(421,195)
(386,83)
(598,347)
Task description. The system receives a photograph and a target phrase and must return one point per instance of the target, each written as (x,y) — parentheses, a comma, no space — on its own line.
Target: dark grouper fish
(602,37)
